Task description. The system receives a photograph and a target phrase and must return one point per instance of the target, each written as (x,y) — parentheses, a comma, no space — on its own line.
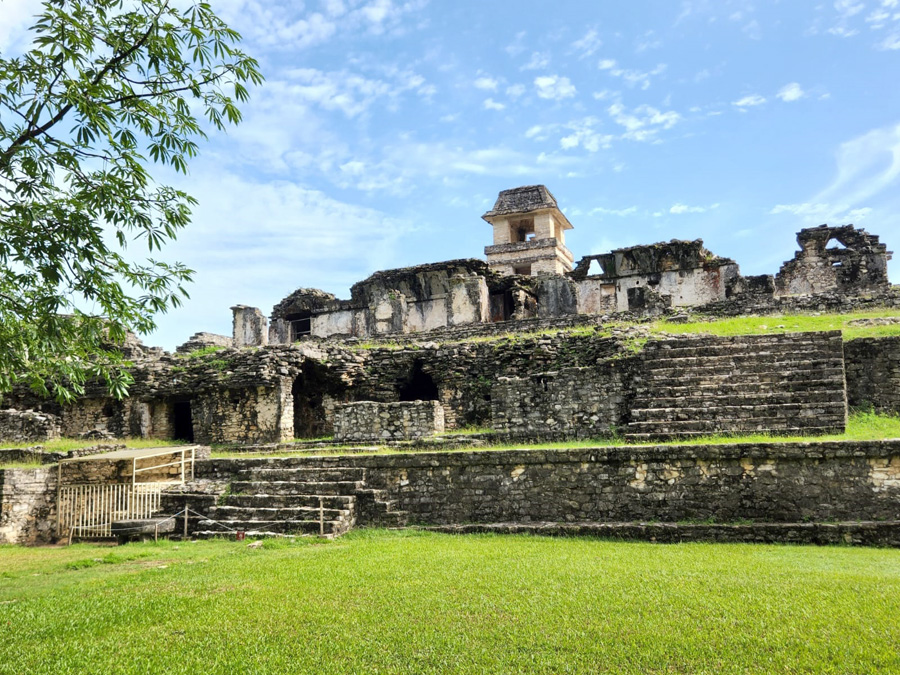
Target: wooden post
(321,518)
(185,519)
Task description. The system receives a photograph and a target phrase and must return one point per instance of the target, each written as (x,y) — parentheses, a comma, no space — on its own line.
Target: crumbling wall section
(873,373)
(27,505)
(242,415)
(855,263)
(571,403)
(371,421)
(28,426)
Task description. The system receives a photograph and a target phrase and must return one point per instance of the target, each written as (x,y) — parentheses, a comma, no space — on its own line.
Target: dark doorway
(309,390)
(182,424)
(419,387)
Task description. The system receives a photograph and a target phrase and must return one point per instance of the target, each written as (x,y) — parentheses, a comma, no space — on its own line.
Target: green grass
(385,602)
(756,325)
(862,425)
(66,444)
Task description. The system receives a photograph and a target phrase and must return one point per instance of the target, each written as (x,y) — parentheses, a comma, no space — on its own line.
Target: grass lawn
(410,602)
(861,426)
(788,323)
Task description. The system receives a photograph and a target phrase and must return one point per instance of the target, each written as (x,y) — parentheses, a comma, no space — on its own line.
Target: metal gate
(88,510)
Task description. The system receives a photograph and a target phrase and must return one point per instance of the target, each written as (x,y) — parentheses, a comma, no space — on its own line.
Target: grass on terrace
(757,325)
(862,425)
(411,602)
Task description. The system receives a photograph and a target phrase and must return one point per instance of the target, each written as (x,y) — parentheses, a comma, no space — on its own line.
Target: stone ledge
(863,533)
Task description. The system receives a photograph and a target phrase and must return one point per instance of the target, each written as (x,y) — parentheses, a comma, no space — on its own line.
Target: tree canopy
(107,89)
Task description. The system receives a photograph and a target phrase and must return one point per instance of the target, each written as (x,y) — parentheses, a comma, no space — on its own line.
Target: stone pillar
(250,327)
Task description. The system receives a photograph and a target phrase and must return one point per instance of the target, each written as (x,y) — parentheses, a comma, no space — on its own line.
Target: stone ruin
(488,343)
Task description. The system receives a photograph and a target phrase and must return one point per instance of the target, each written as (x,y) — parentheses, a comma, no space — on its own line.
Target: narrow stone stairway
(785,384)
(279,499)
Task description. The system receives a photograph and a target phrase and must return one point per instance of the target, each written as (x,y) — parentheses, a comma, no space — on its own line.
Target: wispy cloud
(644,122)
(633,78)
(587,45)
(554,87)
(679,208)
(537,61)
(486,83)
(868,170)
(491,104)
(791,92)
(749,101)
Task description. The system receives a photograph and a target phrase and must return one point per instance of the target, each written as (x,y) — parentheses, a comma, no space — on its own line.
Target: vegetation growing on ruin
(202,351)
(862,425)
(415,602)
(787,323)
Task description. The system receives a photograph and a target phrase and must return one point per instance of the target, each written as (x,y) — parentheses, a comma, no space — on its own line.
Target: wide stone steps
(766,372)
(727,414)
(302,474)
(672,428)
(663,359)
(264,528)
(712,397)
(289,487)
(262,500)
(260,513)
(279,498)
(729,388)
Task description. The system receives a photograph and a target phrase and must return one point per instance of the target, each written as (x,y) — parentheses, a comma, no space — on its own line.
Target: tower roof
(523,199)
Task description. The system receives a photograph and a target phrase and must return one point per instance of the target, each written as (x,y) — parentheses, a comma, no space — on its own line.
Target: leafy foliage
(107,88)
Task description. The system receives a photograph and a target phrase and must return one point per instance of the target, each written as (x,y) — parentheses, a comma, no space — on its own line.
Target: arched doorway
(420,386)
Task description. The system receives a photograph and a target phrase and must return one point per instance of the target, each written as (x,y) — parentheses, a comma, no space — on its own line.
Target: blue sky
(386,128)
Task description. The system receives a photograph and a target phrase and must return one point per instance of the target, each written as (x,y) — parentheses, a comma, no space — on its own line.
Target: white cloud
(587,45)
(601,211)
(17,18)
(791,92)
(538,61)
(679,208)
(644,122)
(554,87)
(584,133)
(517,46)
(534,131)
(491,104)
(749,101)
(302,229)
(515,91)
(486,83)
(633,78)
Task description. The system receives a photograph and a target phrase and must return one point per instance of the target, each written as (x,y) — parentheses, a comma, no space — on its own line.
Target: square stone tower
(528,233)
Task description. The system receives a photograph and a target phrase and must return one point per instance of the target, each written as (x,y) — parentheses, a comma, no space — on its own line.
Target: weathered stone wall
(203,340)
(856,263)
(28,425)
(27,505)
(791,383)
(250,327)
(873,373)
(371,421)
(105,416)
(245,415)
(766,483)
(571,403)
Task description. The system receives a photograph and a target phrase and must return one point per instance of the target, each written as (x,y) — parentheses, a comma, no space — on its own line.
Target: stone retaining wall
(27,505)
(371,421)
(873,373)
(771,482)
(28,426)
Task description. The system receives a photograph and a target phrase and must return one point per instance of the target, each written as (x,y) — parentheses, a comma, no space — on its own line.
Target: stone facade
(250,327)
(571,403)
(27,505)
(856,262)
(873,373)
(787,485)
(202,340)
(371,421)
(28,426)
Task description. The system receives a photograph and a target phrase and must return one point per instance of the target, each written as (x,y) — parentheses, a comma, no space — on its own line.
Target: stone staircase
(780,384)
(280,499)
